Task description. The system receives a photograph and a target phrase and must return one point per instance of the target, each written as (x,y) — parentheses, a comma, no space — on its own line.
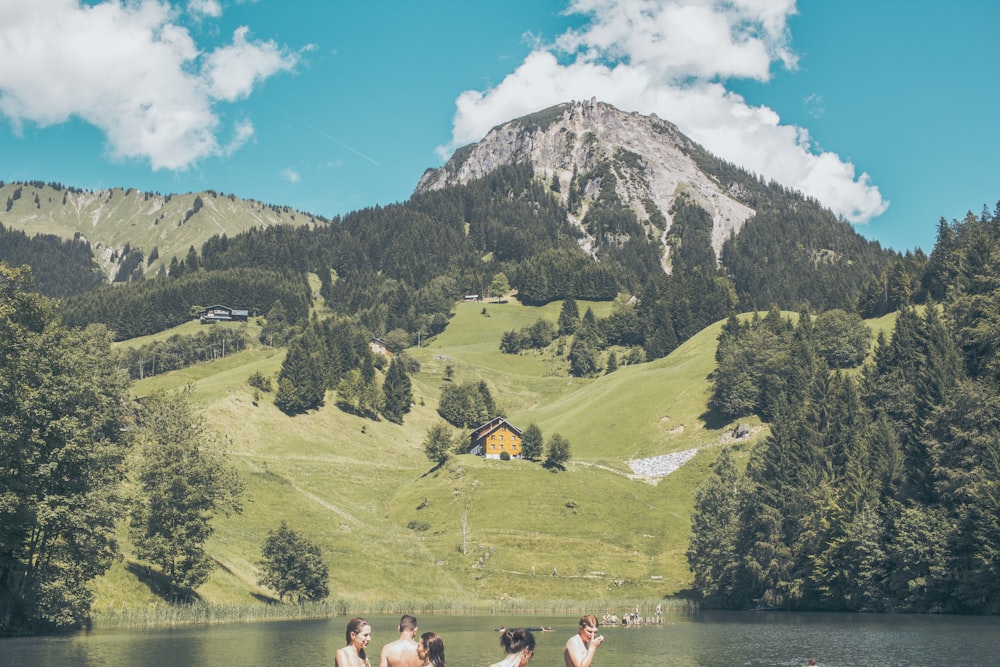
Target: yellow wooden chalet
(495,437)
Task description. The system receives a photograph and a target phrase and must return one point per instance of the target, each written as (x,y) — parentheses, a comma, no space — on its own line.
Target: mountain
(642,163)
(580,200)
(118,223)
(635,185)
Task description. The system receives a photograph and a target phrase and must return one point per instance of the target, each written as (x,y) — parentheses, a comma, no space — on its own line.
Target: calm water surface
(706,639)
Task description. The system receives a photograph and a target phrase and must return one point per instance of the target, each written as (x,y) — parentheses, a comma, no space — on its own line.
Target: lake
(708,639)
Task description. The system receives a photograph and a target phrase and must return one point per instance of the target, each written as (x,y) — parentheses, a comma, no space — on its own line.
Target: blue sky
(884,110)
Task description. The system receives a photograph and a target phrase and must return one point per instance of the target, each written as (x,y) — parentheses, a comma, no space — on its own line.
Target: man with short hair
(581,647)
(403,651)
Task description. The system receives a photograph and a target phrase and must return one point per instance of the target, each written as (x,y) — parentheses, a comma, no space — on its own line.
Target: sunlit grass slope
(394,528)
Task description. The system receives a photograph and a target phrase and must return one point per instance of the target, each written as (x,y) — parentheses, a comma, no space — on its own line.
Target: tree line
(153,305)
(61,267)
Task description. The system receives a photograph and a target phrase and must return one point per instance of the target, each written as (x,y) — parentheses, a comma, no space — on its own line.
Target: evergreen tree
(612,365)
(301,381)
(582,359)
(569,317)
(712,552)
(964,442)
(397,392)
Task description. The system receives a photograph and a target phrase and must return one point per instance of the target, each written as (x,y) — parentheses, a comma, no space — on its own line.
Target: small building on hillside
(379,346)
(495,437)
(223,314)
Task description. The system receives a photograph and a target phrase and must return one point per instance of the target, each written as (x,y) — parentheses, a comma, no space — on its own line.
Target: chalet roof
(489,427)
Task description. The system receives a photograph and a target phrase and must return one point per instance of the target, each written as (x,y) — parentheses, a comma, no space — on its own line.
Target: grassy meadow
(395,530)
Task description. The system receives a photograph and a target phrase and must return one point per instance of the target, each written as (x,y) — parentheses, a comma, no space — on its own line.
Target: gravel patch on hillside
(663,465)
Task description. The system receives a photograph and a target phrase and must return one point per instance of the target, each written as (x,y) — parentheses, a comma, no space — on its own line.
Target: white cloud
(669,57)
(290,175)
(130,70)
(205,8)
(232,71)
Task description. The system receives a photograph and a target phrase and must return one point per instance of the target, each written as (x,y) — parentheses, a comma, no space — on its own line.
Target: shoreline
(200,613)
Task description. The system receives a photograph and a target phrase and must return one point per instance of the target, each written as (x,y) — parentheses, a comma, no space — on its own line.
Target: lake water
(709,639)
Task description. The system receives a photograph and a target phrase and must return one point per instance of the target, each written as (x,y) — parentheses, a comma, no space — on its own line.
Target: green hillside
(392,528)
(111,219)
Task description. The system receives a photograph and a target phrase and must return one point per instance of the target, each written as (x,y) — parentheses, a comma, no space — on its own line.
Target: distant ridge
(116,220)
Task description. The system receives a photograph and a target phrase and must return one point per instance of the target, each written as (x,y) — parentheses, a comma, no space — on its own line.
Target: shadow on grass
(434,469)
(356,411)
(714,419)
(159,584)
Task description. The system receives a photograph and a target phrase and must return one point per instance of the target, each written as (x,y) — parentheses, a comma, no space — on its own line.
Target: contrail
(333,139)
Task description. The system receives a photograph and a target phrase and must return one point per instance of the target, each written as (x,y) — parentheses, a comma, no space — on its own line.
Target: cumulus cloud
(672,58)
(132,71)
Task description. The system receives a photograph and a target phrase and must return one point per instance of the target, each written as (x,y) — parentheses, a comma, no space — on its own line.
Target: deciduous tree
(532,443)
(62,451)
(439,445)
(558,452)
(184,480)
(292,566)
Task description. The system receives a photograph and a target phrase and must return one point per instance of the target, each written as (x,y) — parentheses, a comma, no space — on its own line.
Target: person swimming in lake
(430,649)
(519,644)
(358,635)
(403,651)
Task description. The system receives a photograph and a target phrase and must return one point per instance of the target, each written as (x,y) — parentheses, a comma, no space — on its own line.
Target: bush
(258,381)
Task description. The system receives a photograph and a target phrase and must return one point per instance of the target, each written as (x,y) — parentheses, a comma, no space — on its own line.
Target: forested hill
(877,491)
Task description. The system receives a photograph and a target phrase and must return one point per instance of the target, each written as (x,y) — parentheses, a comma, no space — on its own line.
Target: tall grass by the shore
(200,613)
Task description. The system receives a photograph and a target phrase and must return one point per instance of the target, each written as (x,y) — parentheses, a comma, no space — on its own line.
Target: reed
(164,614)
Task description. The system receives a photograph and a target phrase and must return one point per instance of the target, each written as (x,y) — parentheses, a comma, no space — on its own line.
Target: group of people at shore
(632,618)
(407,651)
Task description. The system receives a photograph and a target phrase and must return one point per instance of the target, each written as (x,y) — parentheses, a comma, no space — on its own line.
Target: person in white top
(581,647)
(519,644)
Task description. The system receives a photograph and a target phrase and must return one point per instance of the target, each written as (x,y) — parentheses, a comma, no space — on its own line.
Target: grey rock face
(648,157)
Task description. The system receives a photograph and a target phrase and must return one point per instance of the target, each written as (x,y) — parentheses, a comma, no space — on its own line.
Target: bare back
(400,653)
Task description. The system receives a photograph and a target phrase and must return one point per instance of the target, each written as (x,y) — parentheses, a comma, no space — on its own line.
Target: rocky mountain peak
(600,152)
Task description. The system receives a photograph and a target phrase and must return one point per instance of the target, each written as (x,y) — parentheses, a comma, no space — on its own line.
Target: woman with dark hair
(519,645)
(430,649)
(359,633)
